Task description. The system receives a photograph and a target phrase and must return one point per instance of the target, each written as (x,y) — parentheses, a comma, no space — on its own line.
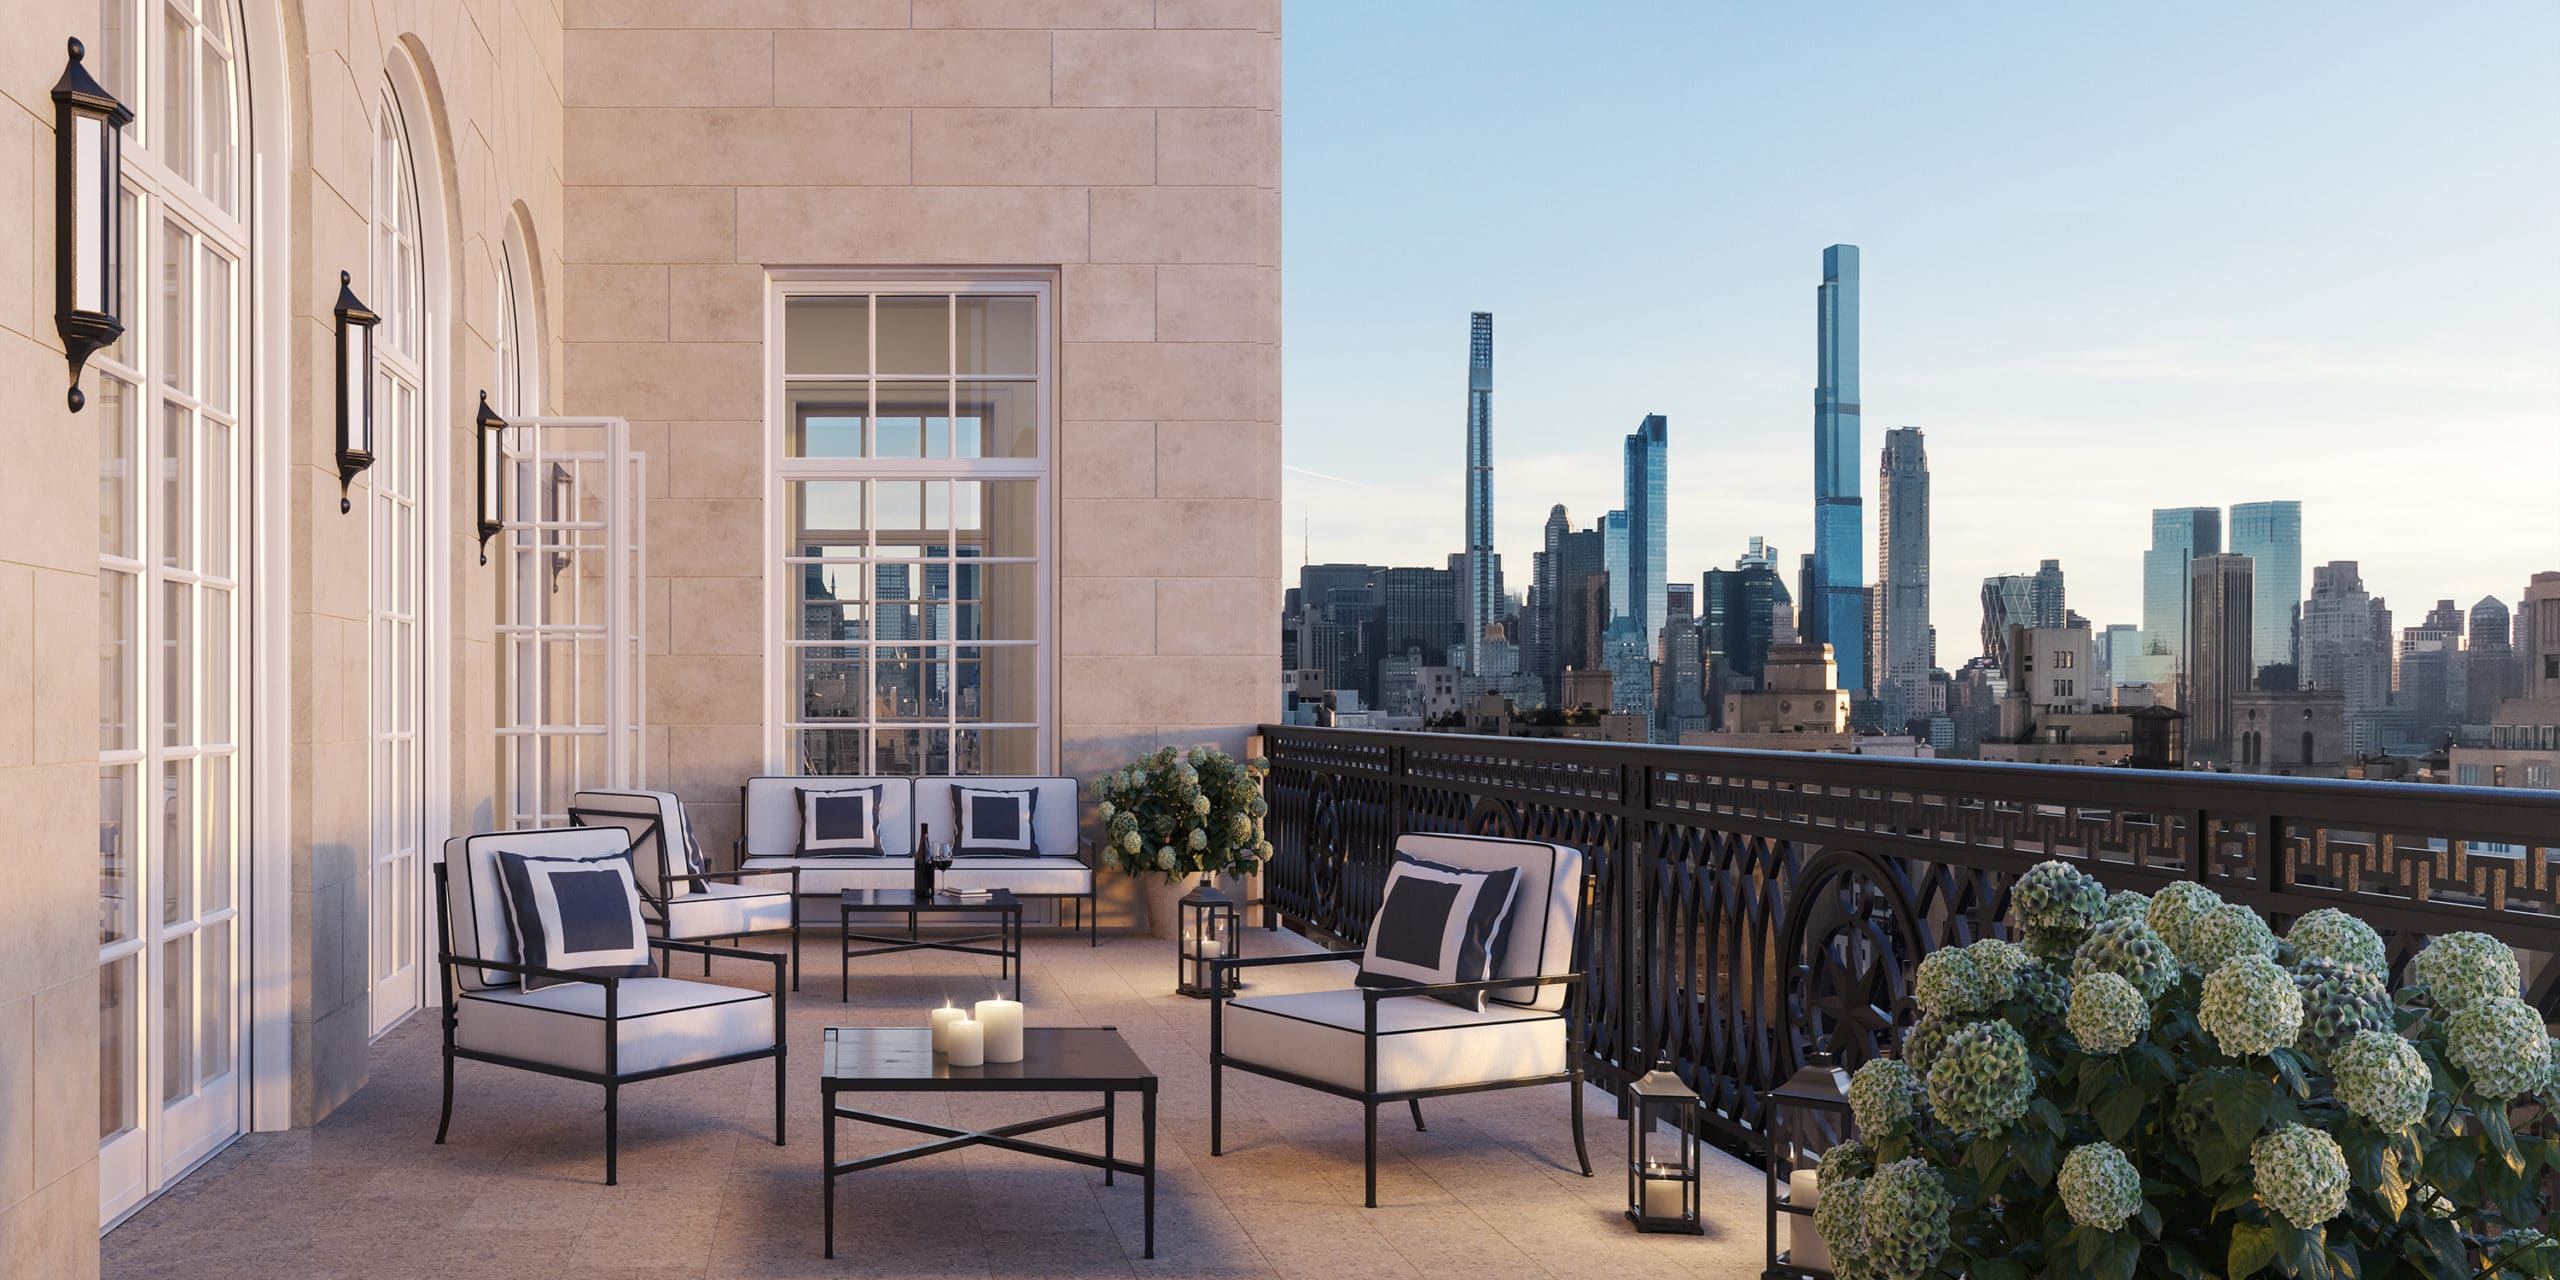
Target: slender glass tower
(1839,515)
(1484,600)
(1902,570)
(2270,534)
(1648,544)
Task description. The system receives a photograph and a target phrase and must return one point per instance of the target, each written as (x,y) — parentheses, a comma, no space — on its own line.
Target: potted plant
(2163,1087)
(1174,815)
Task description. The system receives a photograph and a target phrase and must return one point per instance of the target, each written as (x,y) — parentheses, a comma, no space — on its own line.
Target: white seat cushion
(1544,913)
(1026,876)
(724,910)
(663,1022)
(1422,1044)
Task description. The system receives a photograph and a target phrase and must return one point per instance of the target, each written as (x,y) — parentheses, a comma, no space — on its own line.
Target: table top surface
(906,900)
(902,1058)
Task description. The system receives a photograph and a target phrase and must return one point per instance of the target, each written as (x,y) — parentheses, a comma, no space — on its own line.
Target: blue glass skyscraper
(1647,540)
(1484,598)
(2270,534)
(1839,613)
(1613,558)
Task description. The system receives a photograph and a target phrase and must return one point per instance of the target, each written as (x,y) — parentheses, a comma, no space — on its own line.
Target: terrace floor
(1490,1191)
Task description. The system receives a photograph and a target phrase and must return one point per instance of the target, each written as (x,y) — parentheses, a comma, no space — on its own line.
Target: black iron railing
(1749,906)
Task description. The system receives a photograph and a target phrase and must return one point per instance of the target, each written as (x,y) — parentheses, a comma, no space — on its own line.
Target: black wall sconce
(560,505)
(355,386)
(492,461)
(88,159)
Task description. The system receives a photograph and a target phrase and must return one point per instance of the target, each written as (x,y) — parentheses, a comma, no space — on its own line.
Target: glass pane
(826,518)
(177,666)
(831,607)
(912,751)
(915,336)
(999,335)
(117,913)
(170,139)
(177,1018)
(1002,753)
(215,287)
(213,996)
(898,683)
(997,518)
(215,86)
(911,518)
(996,602)
(112,61)
(914,420)
(826,335)
(218,532)
(116,692)
(177,484)
(114,405)
(934,676)
(834,751)
(831,689)
(177,846)
(126,206)
(175,356)
(119,1036)
(1008,690)
(826,419)
(219,835)
(999,420)
(216,604)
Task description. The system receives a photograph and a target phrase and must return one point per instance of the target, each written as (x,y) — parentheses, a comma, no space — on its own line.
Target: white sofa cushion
(1053,816)
(1031,877)
(662,1022)
(476,909)
(1544,911)
(770,815)
(728,911)
(1422,1043)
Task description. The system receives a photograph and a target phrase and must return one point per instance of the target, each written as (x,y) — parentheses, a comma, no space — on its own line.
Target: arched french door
(171,407)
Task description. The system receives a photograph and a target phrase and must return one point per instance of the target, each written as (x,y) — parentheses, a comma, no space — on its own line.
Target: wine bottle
(924,862)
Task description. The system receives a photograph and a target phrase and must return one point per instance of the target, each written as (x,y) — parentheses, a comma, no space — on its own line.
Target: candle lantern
(1211,930)
(1806,1116)
(88,261)
(1662,1153)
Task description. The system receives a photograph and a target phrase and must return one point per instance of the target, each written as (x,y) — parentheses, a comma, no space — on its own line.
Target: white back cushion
(1054,820)
(476,908)
(771,814)
(655,853)
(1543,913)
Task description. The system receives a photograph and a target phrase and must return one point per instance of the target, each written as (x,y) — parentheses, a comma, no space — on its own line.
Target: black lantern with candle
(1211,930)
(1807,1116)
(1662,1153)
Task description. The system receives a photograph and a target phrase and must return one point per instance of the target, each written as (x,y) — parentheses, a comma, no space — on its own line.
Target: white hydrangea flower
(1166,860)
(2501,1046)
(1105,810)
(1999,962)
(2100,1188)
(2300,1173)
(2331,934)
(2175,910)
(1851,1159)
(1882,1095)
(2462,969)
(1980,1082)
(2107,1014)
(2379,1076)
(1837,1217)
(1198,839)
(1903,1213)
(2250,1006)
(1131,844)
(1949,984)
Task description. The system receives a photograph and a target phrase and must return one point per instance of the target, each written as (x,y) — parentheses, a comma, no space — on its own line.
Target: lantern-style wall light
(355,387)
(1210,931)
(559,506)
(88,264)
(1808,1115)
(492,459)
(1662,1153)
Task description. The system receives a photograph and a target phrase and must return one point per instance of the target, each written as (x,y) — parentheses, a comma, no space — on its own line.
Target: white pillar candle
(1003,1022)
(942,1020)
(1662,1196)
(968,1043)
(1805,1246)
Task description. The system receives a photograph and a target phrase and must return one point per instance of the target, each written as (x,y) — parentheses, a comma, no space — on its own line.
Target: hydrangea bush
(1174,812)
(2165,1088)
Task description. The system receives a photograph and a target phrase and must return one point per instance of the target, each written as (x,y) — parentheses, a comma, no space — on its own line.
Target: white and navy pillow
(694,863)
(996,822)
(1439,924)
(578,914)
(840,822)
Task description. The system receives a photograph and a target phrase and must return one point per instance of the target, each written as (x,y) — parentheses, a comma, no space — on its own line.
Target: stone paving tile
(1490,1190)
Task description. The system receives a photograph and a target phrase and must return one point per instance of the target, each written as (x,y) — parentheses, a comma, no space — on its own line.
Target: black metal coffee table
(896,902)
(1054,1060)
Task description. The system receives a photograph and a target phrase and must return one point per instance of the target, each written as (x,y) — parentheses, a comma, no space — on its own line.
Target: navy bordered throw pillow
(840,822)
(996,822)
(1439,924)
(578,914)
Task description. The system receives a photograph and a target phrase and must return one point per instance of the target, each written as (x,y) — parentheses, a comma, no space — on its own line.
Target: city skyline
(2318,327)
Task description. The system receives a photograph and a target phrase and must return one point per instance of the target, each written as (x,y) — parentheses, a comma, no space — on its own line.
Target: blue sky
(2150,256)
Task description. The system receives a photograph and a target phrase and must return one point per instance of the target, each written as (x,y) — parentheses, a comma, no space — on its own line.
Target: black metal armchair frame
(612,1077)
(656,831)
(1371,1097)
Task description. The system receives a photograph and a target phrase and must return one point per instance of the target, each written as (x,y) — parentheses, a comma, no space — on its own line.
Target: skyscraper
(2270,534)
(2218,651)
(1615,553)
(2178,536)
(1484,597)
(1647,540)
(1680,698)
(2346,646)
(2489,662)
(2050,610)
(1902,575)
(1839,518)
(1542,622)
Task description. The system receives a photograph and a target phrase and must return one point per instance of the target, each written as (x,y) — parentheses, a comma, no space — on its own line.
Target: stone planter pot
(1163,917)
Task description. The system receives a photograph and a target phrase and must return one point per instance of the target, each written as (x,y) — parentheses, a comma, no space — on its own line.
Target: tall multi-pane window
(913,468)
(396,507)
(169,405)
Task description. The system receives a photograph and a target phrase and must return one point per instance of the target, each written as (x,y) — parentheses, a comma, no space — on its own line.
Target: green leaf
(1997,1269)
(2116,1112)
(2253,1246)
(2449,1163)
(2304,1254)
(2502,1137)
(2116,1261)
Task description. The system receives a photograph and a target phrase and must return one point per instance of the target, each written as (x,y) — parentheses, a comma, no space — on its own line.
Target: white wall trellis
(572,621)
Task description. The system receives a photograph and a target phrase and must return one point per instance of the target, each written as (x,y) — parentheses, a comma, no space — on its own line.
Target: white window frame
(781,724)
